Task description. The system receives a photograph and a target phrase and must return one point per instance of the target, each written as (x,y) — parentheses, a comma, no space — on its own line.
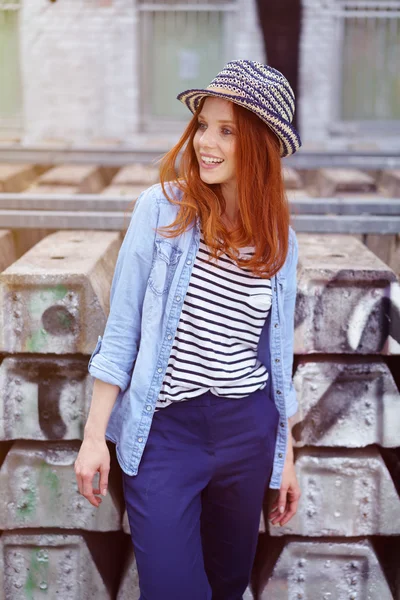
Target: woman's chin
(210,177)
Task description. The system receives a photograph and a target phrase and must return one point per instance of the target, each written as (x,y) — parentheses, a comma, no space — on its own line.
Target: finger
(290,513)
(103,485)
(88,490)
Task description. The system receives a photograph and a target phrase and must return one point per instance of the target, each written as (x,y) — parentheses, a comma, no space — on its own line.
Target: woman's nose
(208,138)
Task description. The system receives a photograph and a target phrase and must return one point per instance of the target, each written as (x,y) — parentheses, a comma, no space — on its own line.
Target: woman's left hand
(285,506)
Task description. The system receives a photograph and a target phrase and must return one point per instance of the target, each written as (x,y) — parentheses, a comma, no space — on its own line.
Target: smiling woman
(195,365)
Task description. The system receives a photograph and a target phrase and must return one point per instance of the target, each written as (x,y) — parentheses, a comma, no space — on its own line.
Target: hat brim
(289,138)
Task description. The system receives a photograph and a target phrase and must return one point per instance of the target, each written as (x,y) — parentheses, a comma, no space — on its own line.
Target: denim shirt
(148,289)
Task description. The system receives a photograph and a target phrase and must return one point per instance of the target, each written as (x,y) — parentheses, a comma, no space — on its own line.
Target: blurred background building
(107,71)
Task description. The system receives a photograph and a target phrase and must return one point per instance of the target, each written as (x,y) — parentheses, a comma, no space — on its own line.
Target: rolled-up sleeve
(115,353)
(289,305)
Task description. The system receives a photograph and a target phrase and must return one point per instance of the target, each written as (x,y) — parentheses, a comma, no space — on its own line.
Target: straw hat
(259,88)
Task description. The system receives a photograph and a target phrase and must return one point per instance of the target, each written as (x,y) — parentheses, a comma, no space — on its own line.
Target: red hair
(263,207)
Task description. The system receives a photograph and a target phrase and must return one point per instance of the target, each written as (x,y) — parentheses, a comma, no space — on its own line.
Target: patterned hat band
(259,88)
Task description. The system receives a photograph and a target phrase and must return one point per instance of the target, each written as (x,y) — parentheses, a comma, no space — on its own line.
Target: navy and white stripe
(215,346)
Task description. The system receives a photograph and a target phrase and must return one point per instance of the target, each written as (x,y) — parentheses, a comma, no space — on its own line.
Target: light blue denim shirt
(148,289)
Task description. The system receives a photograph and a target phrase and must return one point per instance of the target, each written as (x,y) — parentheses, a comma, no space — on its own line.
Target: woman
(193,376)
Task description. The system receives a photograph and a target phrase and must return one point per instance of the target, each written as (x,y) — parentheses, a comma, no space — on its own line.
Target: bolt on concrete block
(334,570)
(129,586)
(44,399)
(49,565)
(8,252)
(16,177)
(331,182)
(389,183)
(348,300)
(137,175)
(83,179)
(39,489)
(350,493)
(55,298)
(346,403)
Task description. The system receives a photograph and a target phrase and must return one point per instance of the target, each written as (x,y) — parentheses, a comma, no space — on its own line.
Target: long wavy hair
(264,216)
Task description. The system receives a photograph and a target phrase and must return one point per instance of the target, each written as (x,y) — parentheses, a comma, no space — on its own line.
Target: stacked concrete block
(347,317)
(39,489)
(73,179)
(348,300)
(339,182)
(54,299)
(53,303)
(54,565)
(346,402)
(327,569)
(17,177)
(344,493)
(43,398)
(132,180)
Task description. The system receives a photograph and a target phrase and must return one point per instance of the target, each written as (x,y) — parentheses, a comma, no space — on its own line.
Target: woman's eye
(202,125)
(226,131)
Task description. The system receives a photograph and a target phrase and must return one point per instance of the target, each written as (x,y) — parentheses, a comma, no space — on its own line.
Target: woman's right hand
(93,457)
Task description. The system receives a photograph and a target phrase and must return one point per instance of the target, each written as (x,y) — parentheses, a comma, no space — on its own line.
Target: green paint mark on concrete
(36,341)
(58,292)
(37,579)
(49,478)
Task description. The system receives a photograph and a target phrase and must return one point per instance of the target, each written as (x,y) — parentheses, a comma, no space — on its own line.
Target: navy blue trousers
(194,507)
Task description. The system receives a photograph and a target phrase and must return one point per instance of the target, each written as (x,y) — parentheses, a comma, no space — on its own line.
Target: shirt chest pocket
(165,261)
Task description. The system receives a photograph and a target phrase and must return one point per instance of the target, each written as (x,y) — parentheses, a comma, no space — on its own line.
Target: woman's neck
(230,195)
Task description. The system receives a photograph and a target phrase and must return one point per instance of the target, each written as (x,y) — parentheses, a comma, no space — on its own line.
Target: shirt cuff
(107,371)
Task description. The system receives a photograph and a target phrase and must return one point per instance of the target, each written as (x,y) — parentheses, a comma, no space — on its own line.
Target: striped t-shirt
(215,346)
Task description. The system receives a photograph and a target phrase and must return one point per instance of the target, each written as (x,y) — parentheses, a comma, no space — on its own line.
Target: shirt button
(277,360)
(170,337)
(278,392)
(148,407)
(188,262)
(280,455)
(276,325)
(178,298)
(282,424)
(140,440)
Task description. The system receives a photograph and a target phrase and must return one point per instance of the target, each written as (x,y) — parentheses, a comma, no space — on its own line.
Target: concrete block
(137,174)
(389,183)
(348,493)
(83,179)
(44,399)
(329,570)
(50,565)
(348,300)
(332,182)
(291,178)
(129,586)
(130,191)
(8,252)
(16,177)
(55,298)
(39,489)
(346,403)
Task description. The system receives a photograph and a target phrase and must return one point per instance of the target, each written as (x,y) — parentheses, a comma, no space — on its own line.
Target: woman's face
(214,142)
